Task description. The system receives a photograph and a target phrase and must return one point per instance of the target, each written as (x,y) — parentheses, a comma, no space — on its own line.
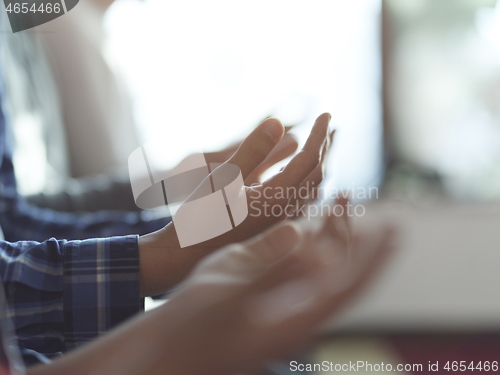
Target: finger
(257,146)
(317,176)
(290,287)
(302,164)
(221,156)
(339,222)
(372,254)
(285,148)
(275,243)
(312,182)
(300,262)
(359,276)
(287,127)
(277,292)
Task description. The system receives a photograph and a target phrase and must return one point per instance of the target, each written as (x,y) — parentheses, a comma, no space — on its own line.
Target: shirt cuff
(101,286)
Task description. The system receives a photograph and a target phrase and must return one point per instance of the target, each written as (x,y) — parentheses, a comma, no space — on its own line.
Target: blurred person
(95,102)
(79,119)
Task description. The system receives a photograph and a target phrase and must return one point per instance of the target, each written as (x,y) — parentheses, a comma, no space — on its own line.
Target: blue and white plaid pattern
(63,293)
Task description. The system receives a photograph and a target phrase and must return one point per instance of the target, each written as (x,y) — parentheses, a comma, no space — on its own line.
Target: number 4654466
(34,8)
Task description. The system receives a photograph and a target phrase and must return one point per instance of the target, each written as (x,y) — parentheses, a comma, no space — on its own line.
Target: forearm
(146,345)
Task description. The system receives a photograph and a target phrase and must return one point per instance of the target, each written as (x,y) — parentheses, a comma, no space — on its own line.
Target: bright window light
(204,73)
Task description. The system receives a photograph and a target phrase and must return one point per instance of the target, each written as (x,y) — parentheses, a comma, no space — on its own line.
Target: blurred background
(441,65)
(206,73)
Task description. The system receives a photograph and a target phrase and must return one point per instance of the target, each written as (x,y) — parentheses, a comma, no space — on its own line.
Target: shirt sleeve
(62,294)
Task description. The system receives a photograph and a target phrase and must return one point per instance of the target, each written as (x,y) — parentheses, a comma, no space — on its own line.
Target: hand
(264,299)
(242,306)
(164,263)
(304,170)
(285,148)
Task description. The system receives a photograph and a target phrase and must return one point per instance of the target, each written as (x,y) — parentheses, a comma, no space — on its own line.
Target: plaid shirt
(62,293)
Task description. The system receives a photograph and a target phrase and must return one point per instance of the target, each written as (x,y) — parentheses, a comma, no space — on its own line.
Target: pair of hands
(244,305)
(164,263)
(252,301)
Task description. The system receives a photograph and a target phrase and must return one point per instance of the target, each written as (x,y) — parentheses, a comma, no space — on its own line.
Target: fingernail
(273,128)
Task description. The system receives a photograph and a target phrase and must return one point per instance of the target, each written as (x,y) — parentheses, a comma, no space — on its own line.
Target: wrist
(163,263)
